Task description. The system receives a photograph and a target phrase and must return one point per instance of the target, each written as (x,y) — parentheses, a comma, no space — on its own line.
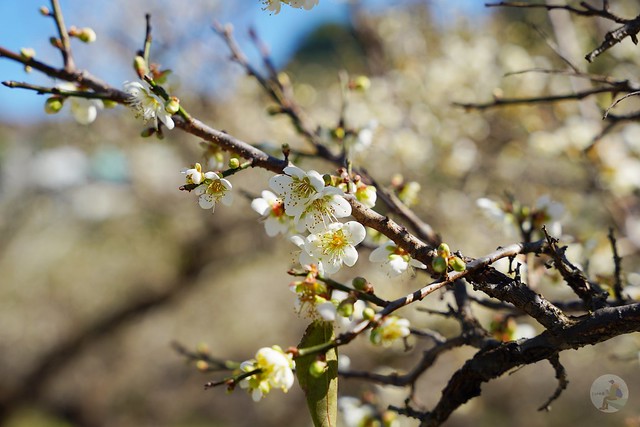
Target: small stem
(41,90)
(147,40)
(242,166)
(67,57)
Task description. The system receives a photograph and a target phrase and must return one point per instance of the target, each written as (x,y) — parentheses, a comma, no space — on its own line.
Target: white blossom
(391,329)
(297,188)
(324,208)
(147,104)
(336,245)
(276,371)
(272,210)
(393,260)
(213,190)
(84,110)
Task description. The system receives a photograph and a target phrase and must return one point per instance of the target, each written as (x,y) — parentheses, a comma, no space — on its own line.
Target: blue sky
(22,26)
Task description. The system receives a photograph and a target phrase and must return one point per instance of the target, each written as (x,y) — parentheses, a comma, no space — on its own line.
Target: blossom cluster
(210,187)
(275,5)
(309,205)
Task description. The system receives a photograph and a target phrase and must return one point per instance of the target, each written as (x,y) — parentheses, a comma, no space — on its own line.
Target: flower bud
(202,348)
(234,163)
(202,365)
(140,66)
(44,11)
(146,133)
(87,35)
(172,106)
(27,52)
(368,313)
(274,110)
(457,264)
(53,104)
(361,83)
(107,103)
(338,133)
(359,283)
(439,264)
(55,42)
(444,251)
(317,368)
(345,308)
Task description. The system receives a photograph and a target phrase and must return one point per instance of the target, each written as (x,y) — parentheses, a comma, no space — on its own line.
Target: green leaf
(321,391)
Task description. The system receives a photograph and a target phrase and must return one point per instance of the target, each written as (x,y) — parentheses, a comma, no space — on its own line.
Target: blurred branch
(499,101)
(630,27)
(67,350)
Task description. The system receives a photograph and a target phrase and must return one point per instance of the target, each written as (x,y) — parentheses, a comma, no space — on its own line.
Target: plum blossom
(194,175)
(306,198)
(297,188)
(84,110)
(272,210)
(324,208)
(335,245)
(275,371)
(214,189)
(275,5)
(365,194)
(147,104)
(355,413)
(391,329)
(393,260)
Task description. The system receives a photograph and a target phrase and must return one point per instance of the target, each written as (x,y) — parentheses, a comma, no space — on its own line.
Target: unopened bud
(87,35)
(318,368)
(439,264)
(44,11)
(140,66)
(146,133)
(107,103)
(53,104)
(172,106)
(234,163)
(274,110)
(359,283)
(338,133)
(444,251)
(368,313)
(202,348)
(28,68)
(55,42)
(27,53)
(361,83)
(284,79)
(457,264)
(202,365)
(345,308)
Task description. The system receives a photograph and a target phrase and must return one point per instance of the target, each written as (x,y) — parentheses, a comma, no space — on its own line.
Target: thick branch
(486,365)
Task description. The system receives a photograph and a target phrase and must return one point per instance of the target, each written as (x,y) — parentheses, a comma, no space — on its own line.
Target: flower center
(277,209)
(302,187)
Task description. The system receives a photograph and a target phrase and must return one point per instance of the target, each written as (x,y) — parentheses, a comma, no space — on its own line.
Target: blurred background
(104,263)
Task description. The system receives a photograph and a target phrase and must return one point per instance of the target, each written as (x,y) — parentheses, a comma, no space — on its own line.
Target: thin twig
(561,375)
(617,262)
(65,45)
